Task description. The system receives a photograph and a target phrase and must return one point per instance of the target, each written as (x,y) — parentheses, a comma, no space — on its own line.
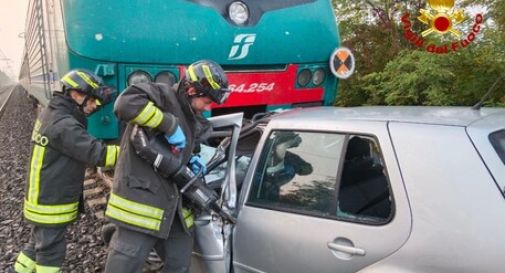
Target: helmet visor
(220,95)
(105,95)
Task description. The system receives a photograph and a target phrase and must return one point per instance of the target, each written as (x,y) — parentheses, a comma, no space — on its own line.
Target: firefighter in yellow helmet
(62,148)
(145,202)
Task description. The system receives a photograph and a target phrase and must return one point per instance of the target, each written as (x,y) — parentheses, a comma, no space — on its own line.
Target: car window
(498,141)
(299,172)
(216,176)
(364,192)
(244,152)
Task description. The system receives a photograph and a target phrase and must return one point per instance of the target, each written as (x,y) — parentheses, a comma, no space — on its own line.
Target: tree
(422,78)
(392,71)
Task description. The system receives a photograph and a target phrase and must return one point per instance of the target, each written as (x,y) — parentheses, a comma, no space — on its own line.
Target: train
(277,54)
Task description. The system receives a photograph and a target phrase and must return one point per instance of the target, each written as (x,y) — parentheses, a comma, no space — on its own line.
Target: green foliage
(422,78)
(498,13)
(391,71)
(418,69)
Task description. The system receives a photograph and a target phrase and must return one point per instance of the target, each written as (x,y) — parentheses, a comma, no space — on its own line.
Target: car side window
(297,171)
(323,174)
(364,192)
(498,141)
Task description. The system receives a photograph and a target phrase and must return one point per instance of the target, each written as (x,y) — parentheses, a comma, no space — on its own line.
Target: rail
(2,108)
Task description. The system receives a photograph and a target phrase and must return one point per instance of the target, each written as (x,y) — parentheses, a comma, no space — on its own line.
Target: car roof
(454,116)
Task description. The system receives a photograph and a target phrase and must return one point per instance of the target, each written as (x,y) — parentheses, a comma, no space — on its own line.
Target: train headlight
(304,77)
(138,76)
(318,76)
(165,77)
(238,12)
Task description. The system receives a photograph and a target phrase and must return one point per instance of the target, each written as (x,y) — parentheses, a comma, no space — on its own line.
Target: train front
(276,53)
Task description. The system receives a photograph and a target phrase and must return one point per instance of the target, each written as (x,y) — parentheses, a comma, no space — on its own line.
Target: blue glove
(196,163)
(177,138)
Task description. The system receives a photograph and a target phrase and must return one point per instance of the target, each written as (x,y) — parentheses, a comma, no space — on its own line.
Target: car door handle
(346,249)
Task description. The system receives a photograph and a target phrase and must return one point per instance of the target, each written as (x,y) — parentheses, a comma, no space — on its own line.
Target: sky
(12,23)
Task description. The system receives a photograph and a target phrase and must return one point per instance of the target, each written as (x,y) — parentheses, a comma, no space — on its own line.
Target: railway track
(97,185)
(5,95)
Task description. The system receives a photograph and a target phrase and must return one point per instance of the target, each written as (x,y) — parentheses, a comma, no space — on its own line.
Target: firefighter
(145,202)
(62,148)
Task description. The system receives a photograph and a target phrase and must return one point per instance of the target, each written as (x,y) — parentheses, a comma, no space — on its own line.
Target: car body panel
(275,241)
(479,133)
(457,210)
(445,179)
(453,116)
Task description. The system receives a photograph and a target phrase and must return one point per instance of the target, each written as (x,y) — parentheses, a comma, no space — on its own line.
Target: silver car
(368,189)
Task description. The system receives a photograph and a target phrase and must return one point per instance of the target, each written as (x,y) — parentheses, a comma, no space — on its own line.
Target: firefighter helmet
(209,79)
(86,82)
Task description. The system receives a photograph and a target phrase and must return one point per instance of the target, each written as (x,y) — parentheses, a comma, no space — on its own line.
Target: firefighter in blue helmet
(62,148)
(145,202)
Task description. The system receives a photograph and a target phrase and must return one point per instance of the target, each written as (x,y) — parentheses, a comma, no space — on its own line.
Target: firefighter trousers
(128,250)
(45,251)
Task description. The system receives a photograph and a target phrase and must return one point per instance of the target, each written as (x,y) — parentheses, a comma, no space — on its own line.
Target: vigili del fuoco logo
(441,19)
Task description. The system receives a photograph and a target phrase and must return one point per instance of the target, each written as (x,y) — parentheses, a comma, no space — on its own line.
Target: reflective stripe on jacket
(61,150)
(134,213)
(141,199)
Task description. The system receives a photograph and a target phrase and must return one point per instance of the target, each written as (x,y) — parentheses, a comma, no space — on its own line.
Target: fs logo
(241,44)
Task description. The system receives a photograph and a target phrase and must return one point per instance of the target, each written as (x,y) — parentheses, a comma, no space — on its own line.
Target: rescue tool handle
(167,164)
(191,181)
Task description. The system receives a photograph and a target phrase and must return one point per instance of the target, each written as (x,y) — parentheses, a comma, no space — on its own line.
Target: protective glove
(197,165)
(177,138)
(165,165)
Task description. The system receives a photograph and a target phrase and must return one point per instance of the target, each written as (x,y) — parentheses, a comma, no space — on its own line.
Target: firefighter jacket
(141,199)
(61,150)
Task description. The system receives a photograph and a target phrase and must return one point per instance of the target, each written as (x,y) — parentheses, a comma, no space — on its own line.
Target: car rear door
(338,206)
